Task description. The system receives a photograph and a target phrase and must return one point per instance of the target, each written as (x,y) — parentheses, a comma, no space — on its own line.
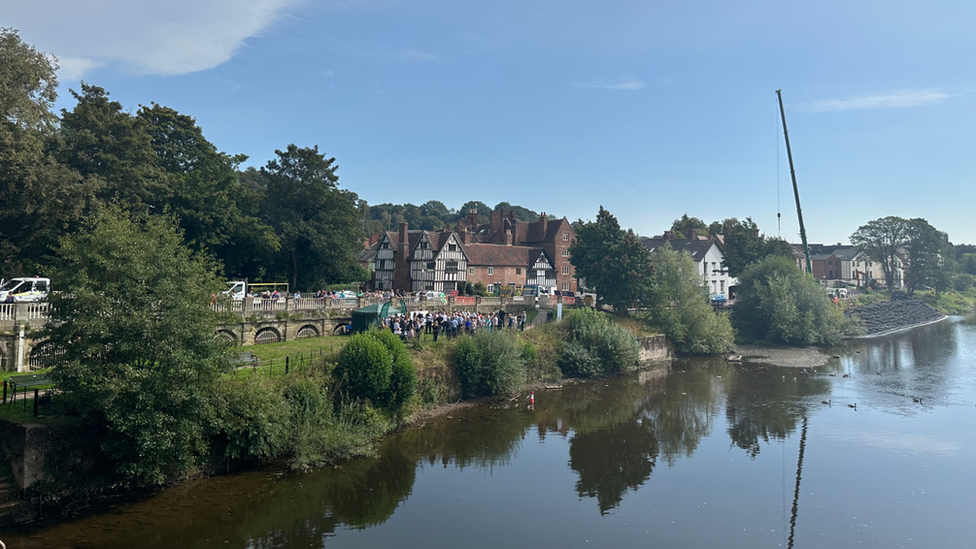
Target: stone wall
(891,316)
(654,349)
(24,446)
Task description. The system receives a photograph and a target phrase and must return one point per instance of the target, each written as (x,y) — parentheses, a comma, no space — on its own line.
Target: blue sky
(652,109)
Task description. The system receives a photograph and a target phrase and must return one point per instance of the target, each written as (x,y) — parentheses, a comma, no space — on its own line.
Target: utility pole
(796,191)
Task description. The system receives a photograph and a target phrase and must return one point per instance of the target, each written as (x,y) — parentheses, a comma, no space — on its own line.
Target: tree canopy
(131,341)
(682,227)
(316,222)
(681,309)
(614,262)
(779,304)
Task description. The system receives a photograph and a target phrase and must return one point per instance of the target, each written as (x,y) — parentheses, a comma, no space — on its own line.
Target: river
(710,454)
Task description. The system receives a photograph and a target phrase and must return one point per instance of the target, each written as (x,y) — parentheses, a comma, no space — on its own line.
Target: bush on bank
(596,346)
(489,363)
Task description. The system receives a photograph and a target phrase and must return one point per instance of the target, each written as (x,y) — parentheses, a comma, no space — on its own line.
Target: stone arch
(267,335)
(307,331)
(228,335)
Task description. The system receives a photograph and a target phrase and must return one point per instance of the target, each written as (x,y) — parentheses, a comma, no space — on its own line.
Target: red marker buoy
(532,398)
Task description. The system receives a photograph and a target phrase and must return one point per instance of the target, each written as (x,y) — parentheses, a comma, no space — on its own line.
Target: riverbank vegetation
(779,304)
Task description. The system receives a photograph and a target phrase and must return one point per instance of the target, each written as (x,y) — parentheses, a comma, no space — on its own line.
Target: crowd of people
(415,325)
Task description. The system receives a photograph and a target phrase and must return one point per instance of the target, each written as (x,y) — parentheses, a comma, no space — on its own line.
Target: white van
(25,289)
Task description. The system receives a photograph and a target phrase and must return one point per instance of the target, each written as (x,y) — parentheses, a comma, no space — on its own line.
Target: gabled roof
(696,248)
(497,255)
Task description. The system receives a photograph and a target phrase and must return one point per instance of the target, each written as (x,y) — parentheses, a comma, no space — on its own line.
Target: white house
(708,258)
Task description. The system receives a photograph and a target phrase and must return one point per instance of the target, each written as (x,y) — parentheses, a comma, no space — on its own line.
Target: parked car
(717,299)
(25,289)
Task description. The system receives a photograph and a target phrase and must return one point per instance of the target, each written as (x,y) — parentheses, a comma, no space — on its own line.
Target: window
(451,266)
(471,270)
(565,269)
(491,288)
(565,286)
(721,286)
(565,237)
(431,266)
(565,253)
(491,270)
(452,247)
(518,271)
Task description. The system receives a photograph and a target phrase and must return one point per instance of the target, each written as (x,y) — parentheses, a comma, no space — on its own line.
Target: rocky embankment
(891,316)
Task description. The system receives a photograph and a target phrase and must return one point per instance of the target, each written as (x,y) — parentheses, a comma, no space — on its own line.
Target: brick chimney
(472,221)
(668,236)
(373,238)
(543,225)
(403,233)
(462,232)
(508,237)
(694,234)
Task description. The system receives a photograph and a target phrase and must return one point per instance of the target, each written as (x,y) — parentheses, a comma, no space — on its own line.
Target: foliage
(214,208)
(138,360)
(490,363)
(779,304)
(929,256)
(29,84)
(964,281)
(364,368)
(316,222)
(251,419)
(744,245)
(682,228)
(613,261)
(681,309)
(376,366)
(596,346)
(879,240)
(967,263)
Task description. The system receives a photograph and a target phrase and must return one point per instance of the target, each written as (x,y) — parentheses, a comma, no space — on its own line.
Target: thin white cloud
(626,84)
(894,99)
(385,53)
(153,37)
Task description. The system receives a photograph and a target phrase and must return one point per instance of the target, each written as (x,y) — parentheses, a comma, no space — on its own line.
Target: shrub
(376,366)
(597,346)
(364,367)
(780,304)
(251,419)
(490,363)
(964,281)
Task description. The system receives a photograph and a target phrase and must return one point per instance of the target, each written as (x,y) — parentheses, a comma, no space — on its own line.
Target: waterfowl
(827,402)
(852,406)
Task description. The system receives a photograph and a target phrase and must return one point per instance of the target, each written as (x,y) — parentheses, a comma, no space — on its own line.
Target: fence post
(35,402)
(286,364)
(5,391)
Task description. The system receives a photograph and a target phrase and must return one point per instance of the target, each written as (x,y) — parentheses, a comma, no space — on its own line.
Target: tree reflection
(761,405)
(611,461)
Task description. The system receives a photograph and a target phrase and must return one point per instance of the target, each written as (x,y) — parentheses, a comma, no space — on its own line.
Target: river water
(708,454)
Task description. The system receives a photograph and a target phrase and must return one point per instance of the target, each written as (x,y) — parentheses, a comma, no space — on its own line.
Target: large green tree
(681,307)
(41,198)
(879,241)
(614,262)
(131,341)
(216,211)
(113,150)
(929,256)
(317,223)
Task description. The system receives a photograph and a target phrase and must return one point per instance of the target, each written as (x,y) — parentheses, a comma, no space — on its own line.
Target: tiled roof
(499,255)
(696,248)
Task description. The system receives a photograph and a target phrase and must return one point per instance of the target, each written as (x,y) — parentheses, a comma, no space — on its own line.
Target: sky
(651,109)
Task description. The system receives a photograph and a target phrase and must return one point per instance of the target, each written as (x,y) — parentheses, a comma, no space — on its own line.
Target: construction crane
(796,192)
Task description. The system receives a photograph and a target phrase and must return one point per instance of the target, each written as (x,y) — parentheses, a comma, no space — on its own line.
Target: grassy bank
(947,303)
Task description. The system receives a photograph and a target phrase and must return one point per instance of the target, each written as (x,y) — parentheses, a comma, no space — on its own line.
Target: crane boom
(796,191)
